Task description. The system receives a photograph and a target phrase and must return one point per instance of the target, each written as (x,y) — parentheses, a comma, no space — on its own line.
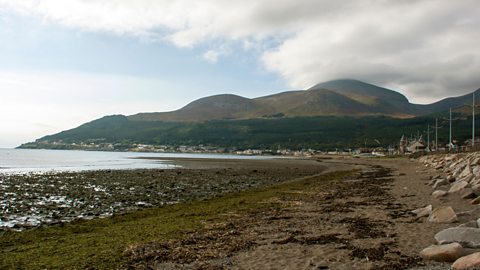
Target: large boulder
(443,253)
(466,236)
(443,215)
(458,186)
(468,262)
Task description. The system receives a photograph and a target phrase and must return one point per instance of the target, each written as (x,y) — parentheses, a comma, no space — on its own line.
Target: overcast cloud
(426,48)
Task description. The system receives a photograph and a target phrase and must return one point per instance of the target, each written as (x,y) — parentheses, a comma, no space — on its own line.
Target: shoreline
(361,220)
(47,199)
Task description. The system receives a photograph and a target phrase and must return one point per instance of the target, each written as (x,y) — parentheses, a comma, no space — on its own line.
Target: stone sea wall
(458,175)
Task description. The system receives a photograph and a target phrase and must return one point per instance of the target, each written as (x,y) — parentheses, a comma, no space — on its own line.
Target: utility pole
(450,138)
(428,137)
(436,134)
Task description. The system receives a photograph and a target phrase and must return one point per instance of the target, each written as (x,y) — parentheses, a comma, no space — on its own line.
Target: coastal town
(405,146)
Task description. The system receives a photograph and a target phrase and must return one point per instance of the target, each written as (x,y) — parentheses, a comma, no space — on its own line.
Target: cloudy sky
(65,62)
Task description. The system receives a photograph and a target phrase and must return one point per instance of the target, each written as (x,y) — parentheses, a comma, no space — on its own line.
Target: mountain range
(334,98)
(340,113)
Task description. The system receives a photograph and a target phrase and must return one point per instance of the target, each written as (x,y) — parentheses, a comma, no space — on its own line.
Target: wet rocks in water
(52,198)
(443,215)
(467,237)
(443,253)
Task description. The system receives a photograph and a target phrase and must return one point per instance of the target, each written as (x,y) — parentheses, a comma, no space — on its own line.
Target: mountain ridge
(345,115)
(343,97)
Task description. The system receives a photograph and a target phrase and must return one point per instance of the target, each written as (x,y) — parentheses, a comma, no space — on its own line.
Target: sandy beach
(362,220)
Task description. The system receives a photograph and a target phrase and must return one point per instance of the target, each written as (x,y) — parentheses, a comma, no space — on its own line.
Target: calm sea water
(28,161)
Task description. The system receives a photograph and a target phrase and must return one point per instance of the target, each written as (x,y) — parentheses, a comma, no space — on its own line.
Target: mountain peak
(336,97)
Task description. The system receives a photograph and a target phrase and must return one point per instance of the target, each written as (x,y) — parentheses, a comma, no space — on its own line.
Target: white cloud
(426,48)
(211,56)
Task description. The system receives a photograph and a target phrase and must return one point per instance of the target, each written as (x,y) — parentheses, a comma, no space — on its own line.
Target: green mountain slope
(320,132)
(320,117)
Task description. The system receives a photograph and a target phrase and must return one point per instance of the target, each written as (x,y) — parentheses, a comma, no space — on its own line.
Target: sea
(21,161)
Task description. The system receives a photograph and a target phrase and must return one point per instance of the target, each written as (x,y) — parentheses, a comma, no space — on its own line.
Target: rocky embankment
(458,175)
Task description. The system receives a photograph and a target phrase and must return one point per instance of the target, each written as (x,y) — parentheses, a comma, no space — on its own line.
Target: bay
(20,161)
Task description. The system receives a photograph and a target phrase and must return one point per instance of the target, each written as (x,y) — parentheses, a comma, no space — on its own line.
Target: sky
(67,62)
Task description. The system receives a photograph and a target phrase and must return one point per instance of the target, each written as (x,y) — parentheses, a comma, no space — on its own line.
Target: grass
(100,243)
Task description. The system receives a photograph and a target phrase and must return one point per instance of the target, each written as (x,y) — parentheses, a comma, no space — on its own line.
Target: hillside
(319,132)
(334,98)
(338,114)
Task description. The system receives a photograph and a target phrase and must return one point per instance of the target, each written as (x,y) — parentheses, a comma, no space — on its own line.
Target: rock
(424,211)
(478,222)
(443,215)
(458,186)
(476,171)
(475,161)
(467,262)
(475,201)
(467,237)
(440,182)
(468,179)
(476,189)
(443,253)
(439,193)
(466,172)
(470,224)
(467,193)
(451,178)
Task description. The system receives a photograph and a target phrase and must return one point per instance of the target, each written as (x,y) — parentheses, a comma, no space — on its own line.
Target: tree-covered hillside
(326,132)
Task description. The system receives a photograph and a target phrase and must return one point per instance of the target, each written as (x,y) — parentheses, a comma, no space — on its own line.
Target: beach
(361,222)
(317,213)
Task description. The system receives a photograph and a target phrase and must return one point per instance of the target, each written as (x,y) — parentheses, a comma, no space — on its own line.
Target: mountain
(340,113)
(334,98)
